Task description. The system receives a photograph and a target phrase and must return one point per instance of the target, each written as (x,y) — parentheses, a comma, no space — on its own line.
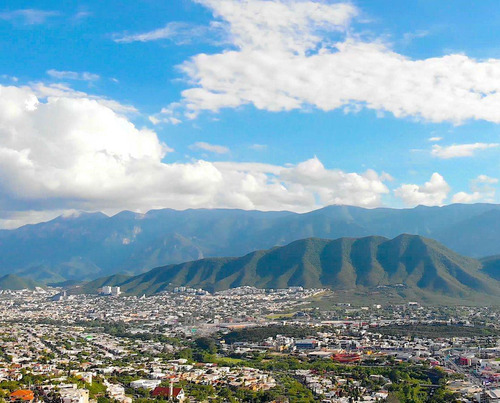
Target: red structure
(22,396)
(170,393)
(346,358)
(465,361)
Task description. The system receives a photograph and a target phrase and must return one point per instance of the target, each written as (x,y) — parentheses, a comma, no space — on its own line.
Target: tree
(207,344)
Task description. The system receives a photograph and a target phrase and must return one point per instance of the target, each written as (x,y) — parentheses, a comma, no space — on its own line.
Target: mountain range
(411,265)
(14,282)
(91,245)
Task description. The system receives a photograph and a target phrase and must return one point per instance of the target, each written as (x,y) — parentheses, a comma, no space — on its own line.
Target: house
(145,383)
(74,395)
(170,393)
(306,344)
(22,395)
(493,395)
(465,361)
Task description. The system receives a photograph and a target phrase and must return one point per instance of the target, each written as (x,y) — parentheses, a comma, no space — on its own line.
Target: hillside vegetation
(13,282)
(408,262)
(90,245)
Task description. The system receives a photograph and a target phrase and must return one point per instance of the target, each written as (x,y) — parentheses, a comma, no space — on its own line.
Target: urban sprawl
(242,345)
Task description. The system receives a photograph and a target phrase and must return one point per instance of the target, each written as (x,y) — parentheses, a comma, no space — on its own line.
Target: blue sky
(258,104)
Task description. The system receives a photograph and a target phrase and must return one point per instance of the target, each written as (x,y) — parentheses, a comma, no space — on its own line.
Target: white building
(145,383)
(106,290)
(493,395)
(109,290)
(70,395)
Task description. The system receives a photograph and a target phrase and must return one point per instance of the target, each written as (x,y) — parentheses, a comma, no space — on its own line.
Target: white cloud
(486,180)
(28,16)
(154,120)
(166,115)
(180,32)
(213,148)
(58,90)
(9,78)
(16,219)
(168,31)
(74,152)
(294,54)
(73,75)
(280,25)
(258,147)
(482,189)
(409,37)
(464,197)
(67,147)
(80,15)
(460,150)
(308,185)
(432,193)
(158,118)
(336,186)
(435,139)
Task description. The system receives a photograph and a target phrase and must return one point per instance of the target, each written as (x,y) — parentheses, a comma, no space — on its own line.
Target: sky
(249,104)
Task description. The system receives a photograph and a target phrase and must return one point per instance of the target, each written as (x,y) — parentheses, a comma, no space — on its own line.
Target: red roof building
(22,395)
(170,393)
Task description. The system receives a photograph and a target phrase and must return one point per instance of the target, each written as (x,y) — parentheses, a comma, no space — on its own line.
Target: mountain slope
(92,286)
(13,282)
(92,244)
(412,262)
(491,266)
(475,236)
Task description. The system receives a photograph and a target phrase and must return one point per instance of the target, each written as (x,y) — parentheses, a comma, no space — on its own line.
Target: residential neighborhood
(242,344)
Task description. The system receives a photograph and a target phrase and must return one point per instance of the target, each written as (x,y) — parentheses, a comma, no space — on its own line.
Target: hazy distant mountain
(491,266)
(92,245)
(417,265)
(475,236)
(13,282)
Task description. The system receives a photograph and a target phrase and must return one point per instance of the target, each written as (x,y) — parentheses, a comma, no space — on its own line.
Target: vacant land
(436,331)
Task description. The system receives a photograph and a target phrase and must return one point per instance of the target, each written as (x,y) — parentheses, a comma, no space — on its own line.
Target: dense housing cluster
(242,344)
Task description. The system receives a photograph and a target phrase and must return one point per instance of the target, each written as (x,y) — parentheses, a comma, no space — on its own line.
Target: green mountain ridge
(421,266)
(91,287)
(14,282)
(91,245)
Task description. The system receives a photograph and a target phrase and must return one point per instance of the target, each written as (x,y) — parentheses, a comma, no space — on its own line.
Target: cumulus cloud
(213,148)
(482,189)
(464,197)
(61,152)
(280,25)
(295,54)
(58,90)
(435,139)
(66,147)
(432,193)
(460,150)
(336,186)
(73,75)
(484,179)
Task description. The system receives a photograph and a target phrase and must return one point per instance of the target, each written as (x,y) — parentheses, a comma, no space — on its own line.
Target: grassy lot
(280,315)
(230,361)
